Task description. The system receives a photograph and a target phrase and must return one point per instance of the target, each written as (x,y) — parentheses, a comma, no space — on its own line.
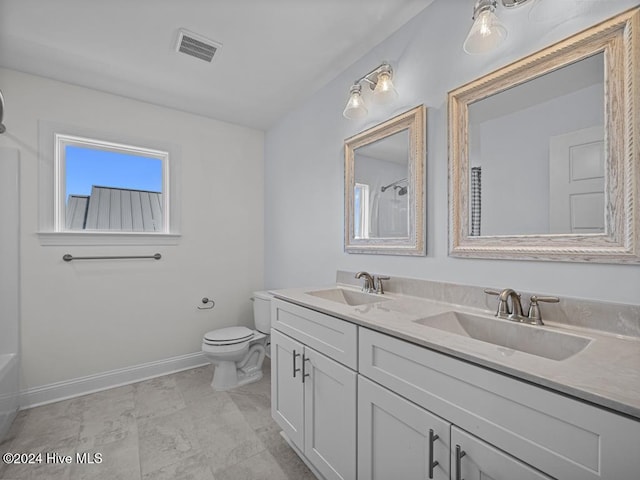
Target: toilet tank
(262,311)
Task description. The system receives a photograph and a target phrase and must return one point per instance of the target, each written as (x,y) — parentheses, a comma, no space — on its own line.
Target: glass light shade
(355,108)
(487,32)
(384,91)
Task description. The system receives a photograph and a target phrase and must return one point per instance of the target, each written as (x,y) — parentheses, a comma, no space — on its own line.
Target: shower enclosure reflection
(380,191)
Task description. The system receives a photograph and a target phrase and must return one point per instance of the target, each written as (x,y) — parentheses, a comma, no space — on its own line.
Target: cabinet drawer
(335,338)
(563,437)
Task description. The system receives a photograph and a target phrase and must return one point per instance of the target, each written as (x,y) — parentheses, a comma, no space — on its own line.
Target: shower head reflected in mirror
(403,190)
(2,127)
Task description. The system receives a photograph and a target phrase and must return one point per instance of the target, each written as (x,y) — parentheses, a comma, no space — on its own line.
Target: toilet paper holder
(206,301)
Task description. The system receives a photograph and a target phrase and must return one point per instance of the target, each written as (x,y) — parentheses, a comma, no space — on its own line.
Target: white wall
(304,161)
(83,318)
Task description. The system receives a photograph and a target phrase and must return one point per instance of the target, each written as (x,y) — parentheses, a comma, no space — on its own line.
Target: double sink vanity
(426,382)
(430,380)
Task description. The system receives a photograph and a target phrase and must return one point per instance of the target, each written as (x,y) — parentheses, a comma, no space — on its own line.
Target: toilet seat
(228,336)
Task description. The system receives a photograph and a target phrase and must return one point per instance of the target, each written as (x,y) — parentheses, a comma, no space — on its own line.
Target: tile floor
(173,427)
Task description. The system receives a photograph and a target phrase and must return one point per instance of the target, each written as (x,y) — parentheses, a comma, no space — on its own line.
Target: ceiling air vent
(196,45)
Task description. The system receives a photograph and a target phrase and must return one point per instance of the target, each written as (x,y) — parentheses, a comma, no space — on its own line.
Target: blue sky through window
(88,166)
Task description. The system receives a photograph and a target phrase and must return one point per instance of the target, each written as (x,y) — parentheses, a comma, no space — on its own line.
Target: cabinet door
(395,439)
(330,416)
(473,459)
(286,386)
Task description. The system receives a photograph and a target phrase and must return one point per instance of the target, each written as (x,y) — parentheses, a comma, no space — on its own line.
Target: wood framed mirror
(544,153)
(384,187)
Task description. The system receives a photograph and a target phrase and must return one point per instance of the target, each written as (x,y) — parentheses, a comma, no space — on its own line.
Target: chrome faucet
(516,307)
(533,316)
(372,283)
(513,313)
(369,283)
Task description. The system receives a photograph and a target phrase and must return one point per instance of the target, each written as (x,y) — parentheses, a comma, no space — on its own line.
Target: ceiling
(275,53)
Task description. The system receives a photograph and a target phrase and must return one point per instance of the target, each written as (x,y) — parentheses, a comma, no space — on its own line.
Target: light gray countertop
(605,373)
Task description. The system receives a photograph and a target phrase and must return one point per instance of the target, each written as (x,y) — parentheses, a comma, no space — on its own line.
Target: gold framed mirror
(384,187)
(544,153)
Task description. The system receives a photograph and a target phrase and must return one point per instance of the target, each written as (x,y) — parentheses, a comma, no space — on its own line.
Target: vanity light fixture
(380,81)
(487,31)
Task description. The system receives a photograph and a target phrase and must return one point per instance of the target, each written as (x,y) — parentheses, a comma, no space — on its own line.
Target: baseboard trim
(76,387)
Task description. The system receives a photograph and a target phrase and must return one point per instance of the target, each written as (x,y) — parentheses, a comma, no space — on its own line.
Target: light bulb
(384,91)
(486,33)
(355,108)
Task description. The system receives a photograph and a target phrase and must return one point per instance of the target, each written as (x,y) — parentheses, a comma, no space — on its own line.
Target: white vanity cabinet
(505,426)
(347,396)
(313,396)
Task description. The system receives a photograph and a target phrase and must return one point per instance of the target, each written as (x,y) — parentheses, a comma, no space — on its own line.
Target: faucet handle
(534,314)
(536,298)
(491,291)
(503,306)
(377,280)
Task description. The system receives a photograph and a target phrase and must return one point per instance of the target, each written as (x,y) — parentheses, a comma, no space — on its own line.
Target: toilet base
(226,376)
(230,374)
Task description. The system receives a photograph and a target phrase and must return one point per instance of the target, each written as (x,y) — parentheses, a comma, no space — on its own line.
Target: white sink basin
(508,334)
(347,297)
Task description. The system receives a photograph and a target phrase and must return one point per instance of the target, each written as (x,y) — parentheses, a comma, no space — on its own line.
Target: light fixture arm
(371,78)
(513,3)
(482,5)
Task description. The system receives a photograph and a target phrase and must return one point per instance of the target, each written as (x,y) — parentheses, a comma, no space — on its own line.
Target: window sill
(107,238)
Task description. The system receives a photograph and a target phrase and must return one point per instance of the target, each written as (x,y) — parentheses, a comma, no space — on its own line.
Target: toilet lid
(229,334)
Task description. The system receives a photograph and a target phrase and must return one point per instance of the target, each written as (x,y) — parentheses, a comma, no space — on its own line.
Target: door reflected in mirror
(381,188)
(536,153)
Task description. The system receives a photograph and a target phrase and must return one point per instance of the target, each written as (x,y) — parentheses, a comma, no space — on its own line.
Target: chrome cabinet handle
(432,438)
(305,359)
(459,454)
(294,363)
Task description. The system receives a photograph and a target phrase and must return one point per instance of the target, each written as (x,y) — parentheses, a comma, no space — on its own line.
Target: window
(102,191)
(361,211)
(108,187)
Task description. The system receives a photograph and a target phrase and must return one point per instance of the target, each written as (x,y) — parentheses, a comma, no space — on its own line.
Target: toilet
(238,352)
